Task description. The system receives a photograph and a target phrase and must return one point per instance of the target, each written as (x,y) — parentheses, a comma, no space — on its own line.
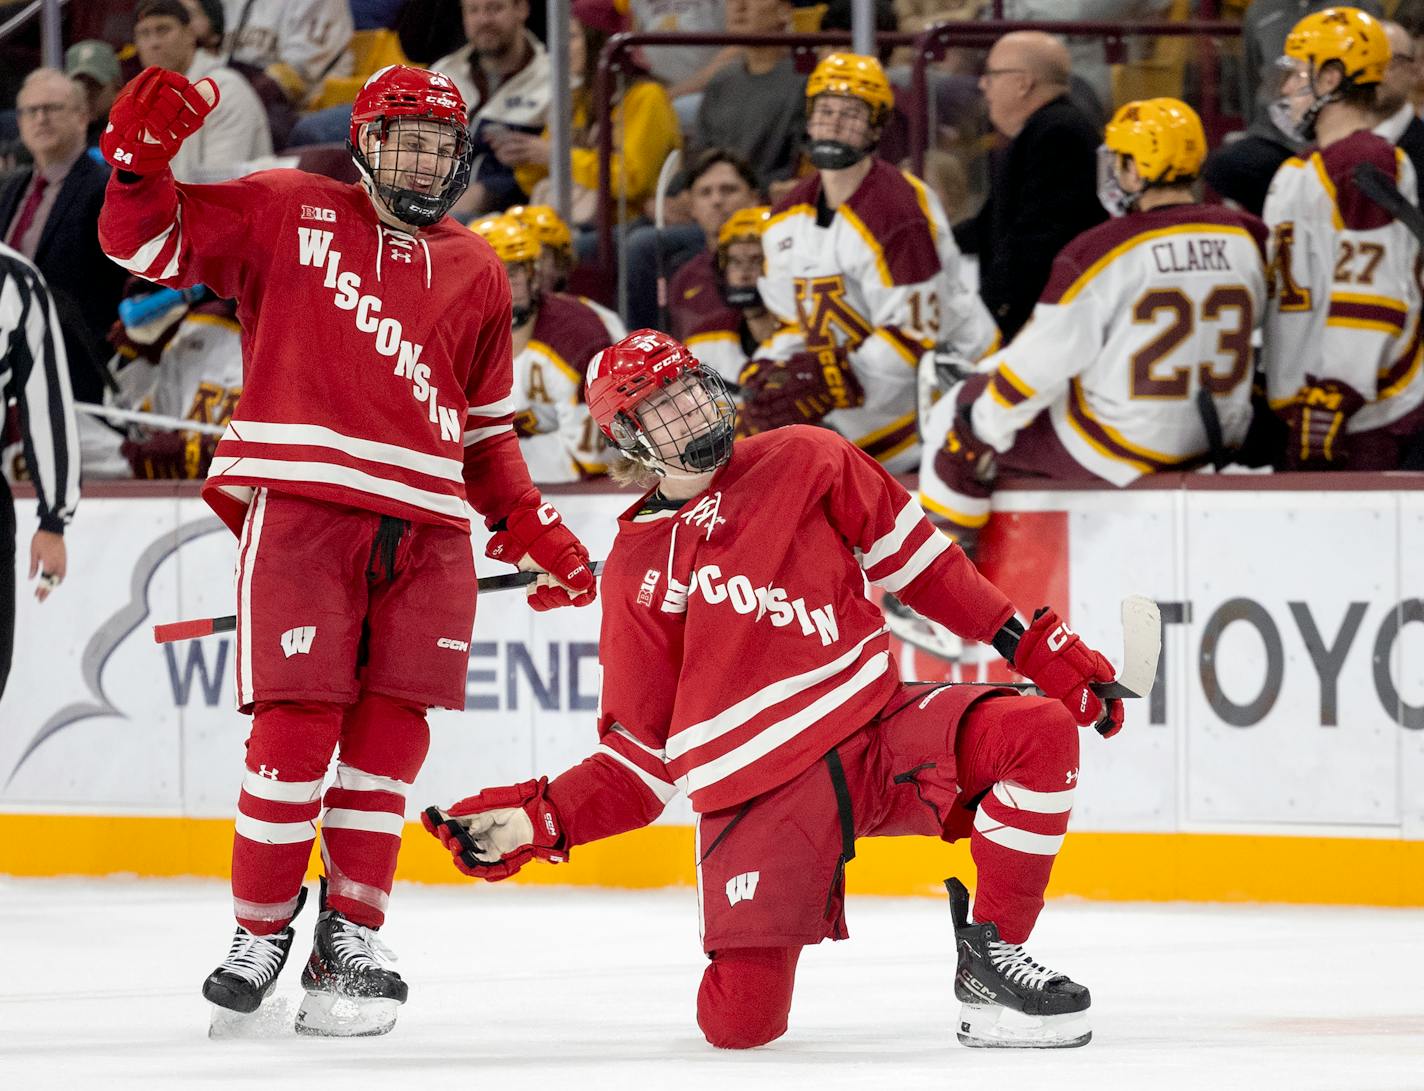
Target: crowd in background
(1014,172)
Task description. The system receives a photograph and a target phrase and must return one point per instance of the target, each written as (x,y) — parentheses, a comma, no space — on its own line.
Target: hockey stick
(206,626)
(156,420)
(1380,188)
(1141,648)
(671,165)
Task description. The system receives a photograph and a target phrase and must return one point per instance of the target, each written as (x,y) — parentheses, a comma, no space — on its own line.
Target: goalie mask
(739,256)
(659,406)
(845,76)
(516,246)
(410,141)
(1346,38)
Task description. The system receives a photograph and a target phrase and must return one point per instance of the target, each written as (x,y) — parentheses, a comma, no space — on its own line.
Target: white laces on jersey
(253,958)
(1013,962)
(359,946)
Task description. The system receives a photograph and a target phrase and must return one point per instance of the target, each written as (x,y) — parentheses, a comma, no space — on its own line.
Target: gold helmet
(546,226)
(744,225)
(855,76)
(1346,35)
(512,241)
(1163,136)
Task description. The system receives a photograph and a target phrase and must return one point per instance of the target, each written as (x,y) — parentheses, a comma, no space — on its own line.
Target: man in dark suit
(1043,182)
(50,214)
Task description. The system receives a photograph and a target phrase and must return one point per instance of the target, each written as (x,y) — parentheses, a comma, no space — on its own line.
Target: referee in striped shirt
(35,372)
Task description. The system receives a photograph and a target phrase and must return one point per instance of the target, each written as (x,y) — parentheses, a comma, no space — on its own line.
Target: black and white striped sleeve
(35,370)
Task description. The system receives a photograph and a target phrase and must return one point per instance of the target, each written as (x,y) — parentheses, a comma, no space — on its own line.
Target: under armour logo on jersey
(1072,775)
(742,888)
(298,641)
(705,513)
(270,774)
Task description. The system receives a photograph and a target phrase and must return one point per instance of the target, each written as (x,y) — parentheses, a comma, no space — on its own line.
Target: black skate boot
(350,991)
(246,976)
(1008,1000)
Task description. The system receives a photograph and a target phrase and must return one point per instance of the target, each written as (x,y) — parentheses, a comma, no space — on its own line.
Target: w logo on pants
(742,888)
(298,641)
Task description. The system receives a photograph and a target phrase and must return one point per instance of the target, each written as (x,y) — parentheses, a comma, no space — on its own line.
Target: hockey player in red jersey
(755,554)
(376,411)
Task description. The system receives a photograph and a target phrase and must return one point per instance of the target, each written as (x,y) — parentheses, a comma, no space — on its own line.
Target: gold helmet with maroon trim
(744,225)
(848,75)
(515,245)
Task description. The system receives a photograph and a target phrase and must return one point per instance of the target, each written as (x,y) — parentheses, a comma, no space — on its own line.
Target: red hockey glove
(539,534)
(152,117)
(1317,419)
(966,463)
(800,390)
(495,833)
(1054,658)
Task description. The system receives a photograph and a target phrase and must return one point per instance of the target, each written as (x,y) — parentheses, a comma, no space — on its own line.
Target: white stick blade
(1141,644)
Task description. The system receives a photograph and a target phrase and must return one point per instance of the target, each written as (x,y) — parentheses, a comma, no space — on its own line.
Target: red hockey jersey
(738,642)
(376,364)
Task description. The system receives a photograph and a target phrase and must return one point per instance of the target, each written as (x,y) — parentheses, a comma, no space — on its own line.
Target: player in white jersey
(296,42)
(556,260)
(555,336)
(1138,356)
(1344,333)
(859,257)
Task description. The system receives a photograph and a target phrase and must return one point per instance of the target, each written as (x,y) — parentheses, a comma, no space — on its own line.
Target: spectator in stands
(1043,182)
(753,106)
(720,183)
(645,131)
(49,212)
(297,43)
(684,70)
(93,65)
(503,73)
(209,23)
(1263,30)
(1398,122)
(236,131)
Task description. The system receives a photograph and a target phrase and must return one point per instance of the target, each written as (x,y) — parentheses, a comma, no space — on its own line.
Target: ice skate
(350,991)
(246,976)
(920,632)
(1007,1000)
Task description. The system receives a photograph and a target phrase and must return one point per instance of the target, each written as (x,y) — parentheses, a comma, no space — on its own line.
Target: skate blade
(991,1026)
(926,635)
(332,1015)
(272,1020)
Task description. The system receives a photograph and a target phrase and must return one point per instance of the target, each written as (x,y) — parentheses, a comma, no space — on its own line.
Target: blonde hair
(630,473)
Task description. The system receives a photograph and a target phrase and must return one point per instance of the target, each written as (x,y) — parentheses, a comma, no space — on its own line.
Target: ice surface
(515,988)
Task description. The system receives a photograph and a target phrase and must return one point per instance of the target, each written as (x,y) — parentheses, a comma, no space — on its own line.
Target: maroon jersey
(376,363)
(738,643)
(694,294)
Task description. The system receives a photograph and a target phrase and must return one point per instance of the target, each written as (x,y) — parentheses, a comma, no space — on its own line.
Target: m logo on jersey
(742,888)
(322,215)
(298,641)
(822,305)
(314,249)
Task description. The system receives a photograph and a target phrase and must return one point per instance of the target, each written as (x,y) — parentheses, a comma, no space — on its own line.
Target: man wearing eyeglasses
(50,214)
(1043,181)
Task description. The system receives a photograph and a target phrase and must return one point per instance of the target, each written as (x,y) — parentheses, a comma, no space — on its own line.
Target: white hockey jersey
(1347,292)
(1139,313)
(557,436)
(724,344)
(309,36)
(878,275)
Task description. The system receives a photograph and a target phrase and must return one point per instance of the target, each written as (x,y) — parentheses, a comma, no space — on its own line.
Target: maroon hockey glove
(495,833)
(1317,419)
(966,463)
(1054,658)
(800,390)
(539,534)
(152,117)
(170,456)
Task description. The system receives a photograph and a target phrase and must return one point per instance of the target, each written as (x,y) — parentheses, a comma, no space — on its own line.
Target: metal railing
(51,43)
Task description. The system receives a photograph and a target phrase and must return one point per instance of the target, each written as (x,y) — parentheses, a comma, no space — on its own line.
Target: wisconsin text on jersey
(315,251)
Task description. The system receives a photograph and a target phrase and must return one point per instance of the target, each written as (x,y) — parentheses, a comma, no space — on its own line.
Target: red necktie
(28,210)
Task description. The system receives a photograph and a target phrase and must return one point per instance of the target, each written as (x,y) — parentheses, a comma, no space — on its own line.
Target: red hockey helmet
(421,160)
(659,405)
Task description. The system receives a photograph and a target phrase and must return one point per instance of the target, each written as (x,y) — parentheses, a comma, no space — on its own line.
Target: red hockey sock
(287,754)
(745,996)
(383,745)
(1025,752)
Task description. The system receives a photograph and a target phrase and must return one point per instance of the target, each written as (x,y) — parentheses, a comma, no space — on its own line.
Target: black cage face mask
(688,424)
(419,167)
